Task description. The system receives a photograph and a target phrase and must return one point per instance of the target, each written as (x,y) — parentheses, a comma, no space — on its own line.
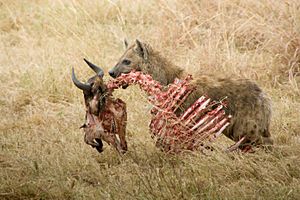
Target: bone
(99,121)
(198,125)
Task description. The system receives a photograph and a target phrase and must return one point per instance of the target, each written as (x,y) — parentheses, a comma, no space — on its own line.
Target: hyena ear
(141,49)
(125,43)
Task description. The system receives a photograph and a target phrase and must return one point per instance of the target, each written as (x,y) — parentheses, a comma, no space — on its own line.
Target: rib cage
(195,128)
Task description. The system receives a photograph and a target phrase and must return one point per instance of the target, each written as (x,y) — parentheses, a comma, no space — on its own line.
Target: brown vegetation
(43,155)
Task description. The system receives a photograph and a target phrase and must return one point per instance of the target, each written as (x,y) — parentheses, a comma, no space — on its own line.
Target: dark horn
(94,67)
(80,85)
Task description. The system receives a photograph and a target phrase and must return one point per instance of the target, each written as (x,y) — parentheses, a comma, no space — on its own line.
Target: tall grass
(43,155)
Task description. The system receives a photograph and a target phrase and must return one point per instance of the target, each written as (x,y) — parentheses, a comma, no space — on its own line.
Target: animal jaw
(198,126)
(104,127)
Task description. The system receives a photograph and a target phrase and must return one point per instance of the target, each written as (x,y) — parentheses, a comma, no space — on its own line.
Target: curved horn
(94,67)
(78,84)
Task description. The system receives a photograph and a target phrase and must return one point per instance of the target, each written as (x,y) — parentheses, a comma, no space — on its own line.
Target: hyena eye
(126,62)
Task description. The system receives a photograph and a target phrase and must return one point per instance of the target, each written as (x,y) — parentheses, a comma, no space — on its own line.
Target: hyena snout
(117,70)
(112,73)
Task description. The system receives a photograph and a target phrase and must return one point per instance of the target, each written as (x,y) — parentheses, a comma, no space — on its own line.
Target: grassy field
(42,152)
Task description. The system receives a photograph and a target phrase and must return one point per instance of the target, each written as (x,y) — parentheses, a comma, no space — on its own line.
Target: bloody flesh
(198,126)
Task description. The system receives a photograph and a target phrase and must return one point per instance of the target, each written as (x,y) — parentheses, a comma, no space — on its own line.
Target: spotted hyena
(247,103)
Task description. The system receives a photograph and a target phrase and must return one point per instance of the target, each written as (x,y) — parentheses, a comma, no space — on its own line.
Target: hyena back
(247,103)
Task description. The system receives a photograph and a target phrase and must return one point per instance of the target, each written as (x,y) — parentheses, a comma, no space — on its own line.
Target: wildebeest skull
(105,116)
(93,90)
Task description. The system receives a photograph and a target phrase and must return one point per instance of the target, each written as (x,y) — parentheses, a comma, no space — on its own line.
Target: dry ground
(42,153)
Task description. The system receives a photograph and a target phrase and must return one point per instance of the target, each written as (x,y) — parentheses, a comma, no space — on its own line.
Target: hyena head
(94,90)
(136,57)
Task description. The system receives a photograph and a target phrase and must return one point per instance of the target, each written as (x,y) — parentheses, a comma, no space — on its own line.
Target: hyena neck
(161,69)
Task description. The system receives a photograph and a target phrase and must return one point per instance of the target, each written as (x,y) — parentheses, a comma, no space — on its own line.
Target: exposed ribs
(199,125)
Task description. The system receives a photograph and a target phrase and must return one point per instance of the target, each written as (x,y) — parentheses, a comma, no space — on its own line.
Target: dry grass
(43,155)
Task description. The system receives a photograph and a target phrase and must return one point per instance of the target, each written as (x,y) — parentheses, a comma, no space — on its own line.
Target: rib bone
(199,125)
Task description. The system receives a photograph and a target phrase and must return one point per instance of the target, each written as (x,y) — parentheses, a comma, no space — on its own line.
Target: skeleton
(195,129)
(106,117)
